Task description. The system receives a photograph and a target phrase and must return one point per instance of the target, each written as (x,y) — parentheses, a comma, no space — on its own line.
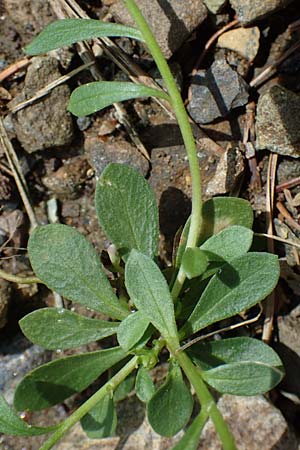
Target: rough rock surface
(171,21)
(244,41)
(215,6)
(278,122)
(46,123)
(101,154)
(255,424)
(249,11)
(213,93)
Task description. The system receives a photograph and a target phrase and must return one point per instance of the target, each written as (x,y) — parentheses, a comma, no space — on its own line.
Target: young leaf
(53,382)
(58,328)
(149,291)
(131,220)
(94,96)
(67,263)
(221,212)
(194,262)
(11,424)
(243,378)
(131,330)
(68,31)
(229,243)
(239,349)
(144,386)
(236,287)
(171,406)
(124,388)
(190,439)
(101,421)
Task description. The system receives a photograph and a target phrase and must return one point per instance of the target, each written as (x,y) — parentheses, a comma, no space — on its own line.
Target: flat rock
(100,154)
(278,122)
(215,6)
(47,123)
(255,424)
(171,21)
(215,92)
(244,41)
(249,11)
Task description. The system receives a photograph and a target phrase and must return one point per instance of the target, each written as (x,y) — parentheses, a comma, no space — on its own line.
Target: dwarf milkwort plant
(214,277)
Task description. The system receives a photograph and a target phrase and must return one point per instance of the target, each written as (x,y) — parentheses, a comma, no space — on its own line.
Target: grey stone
(101,154)
(255,424)
(46,123)
(278,122)
(171,21)
(215,92)
(249,11)
(215,6)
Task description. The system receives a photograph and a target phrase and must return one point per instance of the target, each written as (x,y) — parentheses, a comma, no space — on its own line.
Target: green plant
(214,277)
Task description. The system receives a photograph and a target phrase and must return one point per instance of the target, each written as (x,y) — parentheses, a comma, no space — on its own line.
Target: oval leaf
(101,421)
(212,354)
(236,287)
(221,212)
(94,96)
(53,382)
(11,424)
(171,406)
(229,243)
(149,291)
(144,386)
(131,330)
(194,262)
(58,328)
(67,263)
(243,378)
(68,31)
(131,220)
(124,388)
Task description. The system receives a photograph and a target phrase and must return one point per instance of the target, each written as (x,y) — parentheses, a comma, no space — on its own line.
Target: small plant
(214,277)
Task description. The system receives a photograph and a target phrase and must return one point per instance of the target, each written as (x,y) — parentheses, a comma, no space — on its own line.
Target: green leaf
(94,96)
(124,388)
(221,212)
(211,354)
(67,263)
(171,406)
(11,424)
(190,439)
(236,287)
(149,291)
(229,243)
(68,31)
(144,386)
(243,378)
(101,421)
(53,382)
(131,220)
(194,262)
(58,328)
(182,243)
(131,330)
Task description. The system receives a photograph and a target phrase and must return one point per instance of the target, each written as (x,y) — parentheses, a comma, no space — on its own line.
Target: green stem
(206,400)
(192,435)
(185,128)
(109,387)
(17,279)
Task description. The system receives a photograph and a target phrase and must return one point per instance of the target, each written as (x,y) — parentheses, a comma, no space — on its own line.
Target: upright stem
(206,400)
(185,128)
(109,387)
